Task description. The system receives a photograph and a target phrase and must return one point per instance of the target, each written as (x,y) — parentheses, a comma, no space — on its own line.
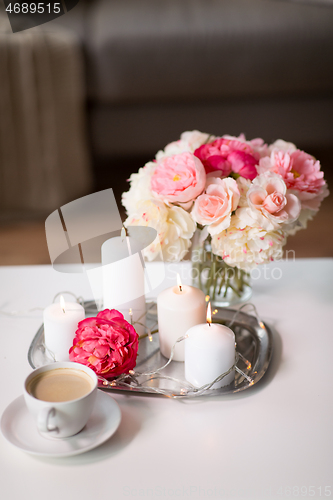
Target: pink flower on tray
(108,344)
(178,178)
(214,207)
(224,156)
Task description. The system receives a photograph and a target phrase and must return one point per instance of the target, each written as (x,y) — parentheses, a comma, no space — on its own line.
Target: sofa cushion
(163,50)
(143,129)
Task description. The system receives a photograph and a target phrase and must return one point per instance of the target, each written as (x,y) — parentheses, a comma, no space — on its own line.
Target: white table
(265,443)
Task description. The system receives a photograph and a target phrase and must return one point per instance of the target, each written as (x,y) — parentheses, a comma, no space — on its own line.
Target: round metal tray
(253,338)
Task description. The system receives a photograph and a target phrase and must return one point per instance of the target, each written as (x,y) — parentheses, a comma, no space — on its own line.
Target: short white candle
(60,325)
(178,309)
(123,278)
(209,352)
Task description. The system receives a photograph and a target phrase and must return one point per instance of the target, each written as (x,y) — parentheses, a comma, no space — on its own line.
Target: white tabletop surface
(273,441)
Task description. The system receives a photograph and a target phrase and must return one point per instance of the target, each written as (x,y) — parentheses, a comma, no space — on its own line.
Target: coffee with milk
(59,385)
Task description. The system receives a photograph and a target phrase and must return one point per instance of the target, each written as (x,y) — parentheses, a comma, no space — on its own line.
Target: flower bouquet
(241,198)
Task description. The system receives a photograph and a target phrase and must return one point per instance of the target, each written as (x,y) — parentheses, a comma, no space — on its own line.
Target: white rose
(281,145)
(188,142)
(174,148)
(139,188)
(195,139)
(270,203)
(174,226)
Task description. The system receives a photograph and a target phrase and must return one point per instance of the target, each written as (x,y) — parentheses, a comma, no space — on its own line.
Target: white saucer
(19,428)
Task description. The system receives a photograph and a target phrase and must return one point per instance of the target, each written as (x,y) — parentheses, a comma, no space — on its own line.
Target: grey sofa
(157,67)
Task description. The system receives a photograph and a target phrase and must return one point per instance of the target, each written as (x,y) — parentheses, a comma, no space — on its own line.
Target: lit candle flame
(179,283)
(62,304)
(209,314)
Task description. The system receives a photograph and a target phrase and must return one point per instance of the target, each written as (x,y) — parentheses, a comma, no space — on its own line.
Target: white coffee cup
(61,397)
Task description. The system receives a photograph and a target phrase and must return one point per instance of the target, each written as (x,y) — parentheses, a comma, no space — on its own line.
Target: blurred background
(90,97)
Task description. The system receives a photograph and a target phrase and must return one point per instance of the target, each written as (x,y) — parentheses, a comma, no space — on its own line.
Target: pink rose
(179,178)
(229,155)
(214,207)
(108,344)
(301,173)
(269,196)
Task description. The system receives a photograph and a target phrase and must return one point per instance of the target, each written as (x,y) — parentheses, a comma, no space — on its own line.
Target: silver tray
(253,338)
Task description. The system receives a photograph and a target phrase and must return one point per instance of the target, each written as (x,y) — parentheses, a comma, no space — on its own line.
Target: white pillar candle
(60,325)
(178,309)
(123,279)
(209,352)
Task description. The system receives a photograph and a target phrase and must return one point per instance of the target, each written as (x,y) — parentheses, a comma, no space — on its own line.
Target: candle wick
(63,310)
(180,288)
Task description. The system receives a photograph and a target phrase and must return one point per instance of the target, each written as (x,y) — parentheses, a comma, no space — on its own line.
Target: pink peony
(214,207)
(269,196)
(178,178)
(108,344)
(229,155)
(301,173)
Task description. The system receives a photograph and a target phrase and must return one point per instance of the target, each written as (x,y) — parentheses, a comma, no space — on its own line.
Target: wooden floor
(24,243)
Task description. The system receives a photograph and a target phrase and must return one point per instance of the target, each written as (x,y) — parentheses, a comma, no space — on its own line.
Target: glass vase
(225,285)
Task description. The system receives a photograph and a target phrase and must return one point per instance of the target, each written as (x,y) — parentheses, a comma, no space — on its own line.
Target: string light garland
(142,380)
(131,380)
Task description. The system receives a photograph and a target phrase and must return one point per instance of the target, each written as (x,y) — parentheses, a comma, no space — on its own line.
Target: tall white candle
(178,309)
(60,324)
(123,279)
(209,352)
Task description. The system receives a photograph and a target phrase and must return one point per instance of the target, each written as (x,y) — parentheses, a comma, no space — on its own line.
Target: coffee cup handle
(43,420)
